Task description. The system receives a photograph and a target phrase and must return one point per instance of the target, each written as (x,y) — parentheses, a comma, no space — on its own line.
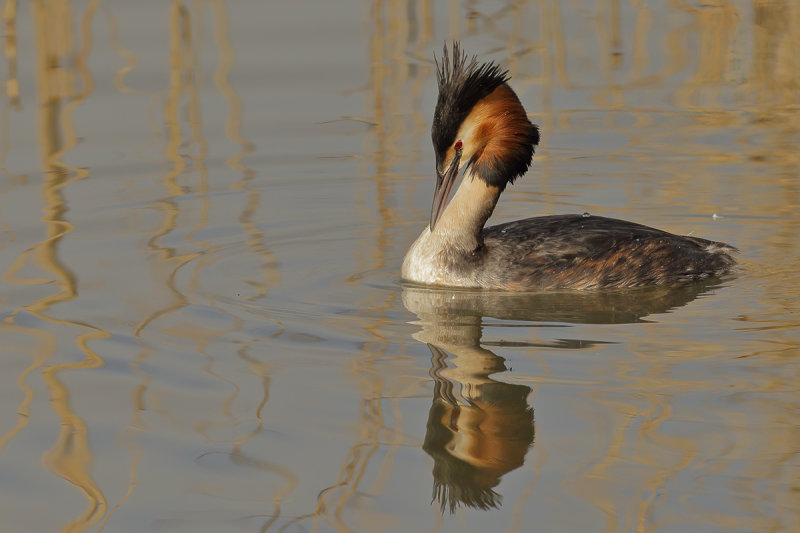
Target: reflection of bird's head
(474,445)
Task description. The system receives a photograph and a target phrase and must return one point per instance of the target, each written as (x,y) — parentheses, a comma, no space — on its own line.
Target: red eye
(458,145)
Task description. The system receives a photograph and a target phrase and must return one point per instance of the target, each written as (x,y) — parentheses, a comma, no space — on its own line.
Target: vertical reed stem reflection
(233,129)
(10,28)
(385,100)
(180,66)
(70,457)
(187,152)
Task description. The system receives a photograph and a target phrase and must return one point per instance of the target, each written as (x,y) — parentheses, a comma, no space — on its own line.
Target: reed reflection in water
(203,206)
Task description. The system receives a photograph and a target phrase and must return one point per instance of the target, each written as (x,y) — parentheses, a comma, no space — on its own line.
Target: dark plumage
(591,252)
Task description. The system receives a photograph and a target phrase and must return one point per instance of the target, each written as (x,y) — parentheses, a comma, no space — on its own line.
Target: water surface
(203,210)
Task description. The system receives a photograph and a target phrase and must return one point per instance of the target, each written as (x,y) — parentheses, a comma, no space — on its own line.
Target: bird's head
(479,124)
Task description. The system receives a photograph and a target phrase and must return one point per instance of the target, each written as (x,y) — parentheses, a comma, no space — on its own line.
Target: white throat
(433,258)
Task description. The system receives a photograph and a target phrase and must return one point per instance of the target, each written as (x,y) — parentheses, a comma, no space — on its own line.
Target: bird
(480,129)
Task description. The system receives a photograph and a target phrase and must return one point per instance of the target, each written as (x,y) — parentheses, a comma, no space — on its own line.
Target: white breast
(425,263)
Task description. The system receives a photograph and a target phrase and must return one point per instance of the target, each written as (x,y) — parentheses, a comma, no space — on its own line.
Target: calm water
(203,210)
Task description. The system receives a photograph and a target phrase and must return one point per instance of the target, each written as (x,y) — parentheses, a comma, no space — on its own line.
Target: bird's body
(480,120)
(571,252)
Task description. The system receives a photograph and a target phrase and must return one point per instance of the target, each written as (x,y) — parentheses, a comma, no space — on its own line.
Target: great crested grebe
(481,127)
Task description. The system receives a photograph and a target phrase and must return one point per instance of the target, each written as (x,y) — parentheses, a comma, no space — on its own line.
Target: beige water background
(203,209)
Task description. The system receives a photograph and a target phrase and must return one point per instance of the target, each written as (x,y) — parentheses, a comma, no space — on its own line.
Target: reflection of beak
(444,183)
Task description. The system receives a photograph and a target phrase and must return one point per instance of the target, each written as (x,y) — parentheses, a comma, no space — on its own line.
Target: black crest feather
(462,83)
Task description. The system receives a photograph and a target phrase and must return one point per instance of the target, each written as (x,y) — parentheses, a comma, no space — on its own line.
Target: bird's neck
(461,223)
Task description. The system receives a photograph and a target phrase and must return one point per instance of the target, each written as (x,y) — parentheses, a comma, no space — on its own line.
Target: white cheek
(467,144)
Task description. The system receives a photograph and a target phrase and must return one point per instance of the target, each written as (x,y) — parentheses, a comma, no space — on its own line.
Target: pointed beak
(444,183)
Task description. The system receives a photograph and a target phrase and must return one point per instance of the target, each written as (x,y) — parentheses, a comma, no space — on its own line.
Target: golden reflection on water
(61,89)
(395,28)
(718,73)
(70,456)
(182,108)
(10,48)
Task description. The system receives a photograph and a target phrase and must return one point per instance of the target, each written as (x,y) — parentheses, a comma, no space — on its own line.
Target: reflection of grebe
(479,426)
(479,429)
(480,125)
